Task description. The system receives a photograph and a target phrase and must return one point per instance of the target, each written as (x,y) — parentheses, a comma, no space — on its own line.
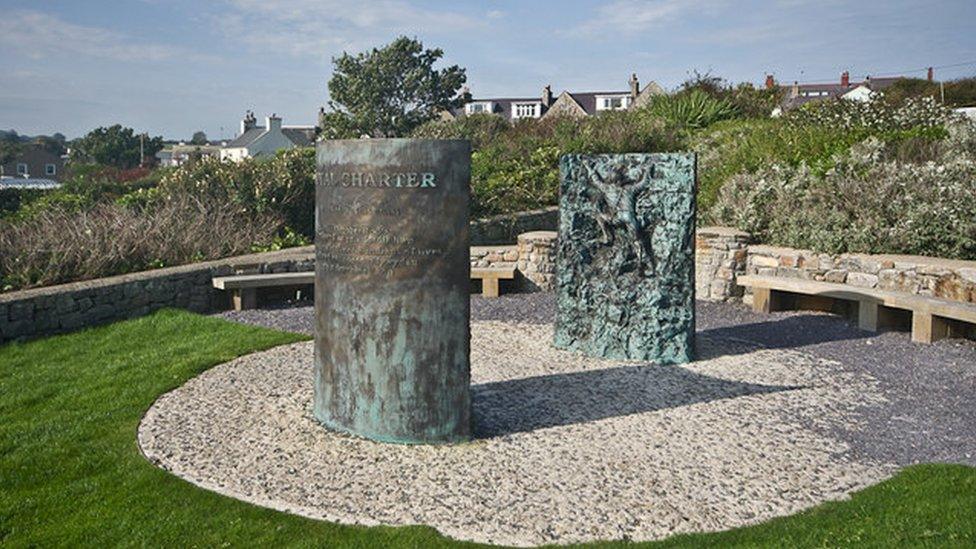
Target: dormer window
(526,110)
(478,107)
(612,103)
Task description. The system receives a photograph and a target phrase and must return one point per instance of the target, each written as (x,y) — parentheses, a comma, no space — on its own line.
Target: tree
(115,146)
(388,92)
(10,147)
(199,138)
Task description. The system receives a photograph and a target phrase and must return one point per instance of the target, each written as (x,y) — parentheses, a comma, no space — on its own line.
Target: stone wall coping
(766,249)
(493,248)
(539,234)
(722,231)
(300,253)
(763,249)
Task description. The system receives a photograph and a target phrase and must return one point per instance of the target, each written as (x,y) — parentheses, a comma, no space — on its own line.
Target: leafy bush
(867,202)
(691,109)
(283,186)
(64,244)
(519,169)
(480,129)
(876,114)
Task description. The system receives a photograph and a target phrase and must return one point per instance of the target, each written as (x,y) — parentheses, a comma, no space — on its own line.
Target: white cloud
(630,16)
(326,27)
(40,35)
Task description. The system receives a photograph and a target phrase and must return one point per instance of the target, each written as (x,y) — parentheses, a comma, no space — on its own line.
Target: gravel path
(568,448)
(930,413)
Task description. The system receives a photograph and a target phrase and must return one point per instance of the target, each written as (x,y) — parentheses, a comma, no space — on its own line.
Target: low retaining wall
(55,309)
(724,254)
(66,307)
(721,256)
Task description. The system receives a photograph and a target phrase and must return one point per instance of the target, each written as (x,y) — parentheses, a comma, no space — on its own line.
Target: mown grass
(71,473)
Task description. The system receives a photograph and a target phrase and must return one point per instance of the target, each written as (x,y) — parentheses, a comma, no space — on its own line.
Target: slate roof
(300,136)
(587,100)
(833,89)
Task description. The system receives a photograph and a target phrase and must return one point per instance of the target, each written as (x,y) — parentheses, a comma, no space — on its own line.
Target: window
(478,108)
(525,110)
(612,103)
(21,169)
(50,169)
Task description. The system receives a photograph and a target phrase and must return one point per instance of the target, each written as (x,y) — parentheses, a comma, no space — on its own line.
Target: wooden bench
(490,276)
(932,318)
(244,288)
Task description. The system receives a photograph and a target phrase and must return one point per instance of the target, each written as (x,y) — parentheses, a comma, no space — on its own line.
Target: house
(34,162)
(800,94)
(255,141)
(577,104)
(177,154)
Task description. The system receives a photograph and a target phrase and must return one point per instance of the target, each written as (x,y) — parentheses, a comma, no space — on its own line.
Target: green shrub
(480,129)
(867,202)
(283,186)
(691,109)
(876,115)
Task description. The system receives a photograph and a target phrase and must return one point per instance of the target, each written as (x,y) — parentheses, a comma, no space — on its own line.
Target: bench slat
(506,273)
(263,280)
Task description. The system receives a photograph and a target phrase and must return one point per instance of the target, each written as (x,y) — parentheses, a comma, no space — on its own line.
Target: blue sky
(171,67)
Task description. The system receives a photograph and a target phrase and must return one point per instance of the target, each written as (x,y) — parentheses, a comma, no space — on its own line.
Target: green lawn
(71,473)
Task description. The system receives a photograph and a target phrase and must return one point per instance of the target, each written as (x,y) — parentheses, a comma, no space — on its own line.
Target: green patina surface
(626,259)
(391,289)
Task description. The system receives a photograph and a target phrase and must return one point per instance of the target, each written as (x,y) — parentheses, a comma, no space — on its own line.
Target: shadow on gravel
(523,405)
(790,332)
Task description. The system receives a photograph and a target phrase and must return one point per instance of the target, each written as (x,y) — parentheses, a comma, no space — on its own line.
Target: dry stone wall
(927,276)
(67,307)
(721,256)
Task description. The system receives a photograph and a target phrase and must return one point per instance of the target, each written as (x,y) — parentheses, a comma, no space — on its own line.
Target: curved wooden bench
(932,318)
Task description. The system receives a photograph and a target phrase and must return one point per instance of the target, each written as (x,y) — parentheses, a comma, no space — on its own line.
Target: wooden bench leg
(927,328)
(765,300)
(245,298)
(867,316)
(489,287)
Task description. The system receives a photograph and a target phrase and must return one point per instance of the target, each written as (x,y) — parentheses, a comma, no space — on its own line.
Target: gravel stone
(568,448)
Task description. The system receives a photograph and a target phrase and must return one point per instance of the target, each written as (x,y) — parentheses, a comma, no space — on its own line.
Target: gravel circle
(568,448)
(930,411)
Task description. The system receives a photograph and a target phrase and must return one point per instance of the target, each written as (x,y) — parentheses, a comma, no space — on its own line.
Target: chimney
(795,90)
(248,122)
(845,79)
(931,76)
(634,87)
(770,82)
(272,122)
(547,96)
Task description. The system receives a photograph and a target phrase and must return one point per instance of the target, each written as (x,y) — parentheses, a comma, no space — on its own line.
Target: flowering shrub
(868,202)
(876,114)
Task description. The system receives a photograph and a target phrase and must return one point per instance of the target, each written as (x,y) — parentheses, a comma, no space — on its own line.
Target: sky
(172,67)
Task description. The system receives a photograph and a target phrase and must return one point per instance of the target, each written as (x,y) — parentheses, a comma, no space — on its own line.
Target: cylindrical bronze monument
(392,268)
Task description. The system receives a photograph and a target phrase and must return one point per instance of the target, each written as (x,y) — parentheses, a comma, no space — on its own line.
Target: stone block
(835,275)
(763,261)
(626,281)
(862,280)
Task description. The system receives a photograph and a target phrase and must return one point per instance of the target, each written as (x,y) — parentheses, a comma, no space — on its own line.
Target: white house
(255,141)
